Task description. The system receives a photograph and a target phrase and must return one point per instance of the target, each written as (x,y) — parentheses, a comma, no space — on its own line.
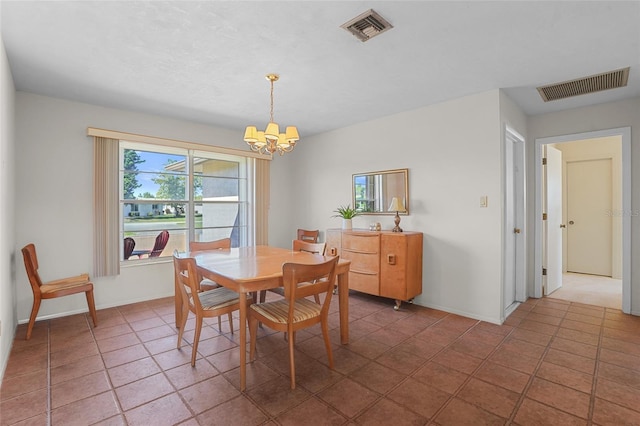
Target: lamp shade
(282,141)
(260,140)
(292,134)
(396,205)
(251,134)
(272,131)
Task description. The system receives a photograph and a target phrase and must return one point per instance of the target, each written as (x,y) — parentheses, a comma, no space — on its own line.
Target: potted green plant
(346,213)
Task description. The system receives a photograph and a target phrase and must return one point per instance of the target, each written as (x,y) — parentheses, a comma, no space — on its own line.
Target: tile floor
(552,363)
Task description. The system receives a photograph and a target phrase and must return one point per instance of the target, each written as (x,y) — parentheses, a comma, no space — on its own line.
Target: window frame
(246,225)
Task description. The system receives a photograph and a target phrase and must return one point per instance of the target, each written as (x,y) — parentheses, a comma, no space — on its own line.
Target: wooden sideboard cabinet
(383,263)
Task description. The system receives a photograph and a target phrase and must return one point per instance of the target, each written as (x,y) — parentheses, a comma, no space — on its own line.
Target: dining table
(248,270)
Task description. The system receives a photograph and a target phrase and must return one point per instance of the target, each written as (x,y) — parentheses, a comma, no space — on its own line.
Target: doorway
(581,160)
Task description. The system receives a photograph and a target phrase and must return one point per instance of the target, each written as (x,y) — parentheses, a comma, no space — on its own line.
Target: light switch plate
(483,201)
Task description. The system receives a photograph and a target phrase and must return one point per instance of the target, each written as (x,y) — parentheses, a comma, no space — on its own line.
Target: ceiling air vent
(367,25)
(581,86)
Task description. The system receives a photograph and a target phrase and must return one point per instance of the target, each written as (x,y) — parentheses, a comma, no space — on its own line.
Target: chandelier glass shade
(271,140)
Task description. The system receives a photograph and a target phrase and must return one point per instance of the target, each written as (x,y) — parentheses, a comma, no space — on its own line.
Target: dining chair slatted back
(296,311)
(161,242)
(299,245)
(206,304)
(53,289)
(310,236)
(309,247)
(129,245)
(224,243)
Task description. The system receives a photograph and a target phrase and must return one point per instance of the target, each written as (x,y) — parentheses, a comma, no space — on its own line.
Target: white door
(514,274)
(589,217)
(554,226)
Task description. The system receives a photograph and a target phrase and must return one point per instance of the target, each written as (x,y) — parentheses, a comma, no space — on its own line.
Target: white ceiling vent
(367,25)
(582,86)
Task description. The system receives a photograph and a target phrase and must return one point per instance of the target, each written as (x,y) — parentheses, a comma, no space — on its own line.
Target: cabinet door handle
(391,259)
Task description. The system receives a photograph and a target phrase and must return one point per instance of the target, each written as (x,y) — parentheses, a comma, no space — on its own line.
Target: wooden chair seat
(77,284)
(216,298)
(278,311)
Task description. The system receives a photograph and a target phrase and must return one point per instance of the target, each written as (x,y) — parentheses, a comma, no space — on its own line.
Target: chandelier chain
(271,115)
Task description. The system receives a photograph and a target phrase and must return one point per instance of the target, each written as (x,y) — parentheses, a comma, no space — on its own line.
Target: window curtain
(262,196)
(106,224)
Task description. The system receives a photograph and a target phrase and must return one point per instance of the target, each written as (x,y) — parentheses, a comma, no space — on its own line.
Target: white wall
(579,120)
(453,153)
(54,197)
(7,216)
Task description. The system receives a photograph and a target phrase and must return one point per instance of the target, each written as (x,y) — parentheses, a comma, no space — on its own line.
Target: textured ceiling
(205,61)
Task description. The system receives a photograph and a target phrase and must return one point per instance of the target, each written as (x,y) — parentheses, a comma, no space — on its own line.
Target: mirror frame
(405,179)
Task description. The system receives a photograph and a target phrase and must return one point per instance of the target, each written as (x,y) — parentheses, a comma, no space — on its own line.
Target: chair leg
(327,342)
(220,323)
(230,322)
(185,314)
(263,295)
(92,307)
(316,297)
(292,362)
(253,331)
(196,339)
(34,314)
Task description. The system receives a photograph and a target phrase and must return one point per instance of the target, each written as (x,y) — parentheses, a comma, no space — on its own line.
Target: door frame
(625,134)
(514,205)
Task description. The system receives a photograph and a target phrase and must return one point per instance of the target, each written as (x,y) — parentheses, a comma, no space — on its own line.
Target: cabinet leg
(397,306)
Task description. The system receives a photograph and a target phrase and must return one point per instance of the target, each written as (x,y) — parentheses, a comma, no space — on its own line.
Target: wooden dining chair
(298,245)
(205,283)
(53,289)
(308,235)
(205,304)
(195,246)
(295,311)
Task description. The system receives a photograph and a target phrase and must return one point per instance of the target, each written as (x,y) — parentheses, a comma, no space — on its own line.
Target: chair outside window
(53,289)
(308,236)
(161,242)
(129,245)
(295,311)
(206,304)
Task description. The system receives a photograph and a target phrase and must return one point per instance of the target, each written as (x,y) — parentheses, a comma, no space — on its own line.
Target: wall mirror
(373,192)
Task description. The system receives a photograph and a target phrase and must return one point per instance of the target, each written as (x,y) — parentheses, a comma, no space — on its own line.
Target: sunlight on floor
(590,290)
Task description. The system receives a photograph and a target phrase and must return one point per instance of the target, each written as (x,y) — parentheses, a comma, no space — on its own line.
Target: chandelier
(271,140)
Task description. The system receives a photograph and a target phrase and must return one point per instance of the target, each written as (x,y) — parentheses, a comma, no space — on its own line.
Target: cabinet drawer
(361,242)
(366,283)
(367,263)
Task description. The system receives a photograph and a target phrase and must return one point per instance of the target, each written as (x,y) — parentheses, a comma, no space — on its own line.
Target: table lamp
(397,206)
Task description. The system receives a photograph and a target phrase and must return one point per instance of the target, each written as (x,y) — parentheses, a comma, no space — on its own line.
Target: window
(194,195)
